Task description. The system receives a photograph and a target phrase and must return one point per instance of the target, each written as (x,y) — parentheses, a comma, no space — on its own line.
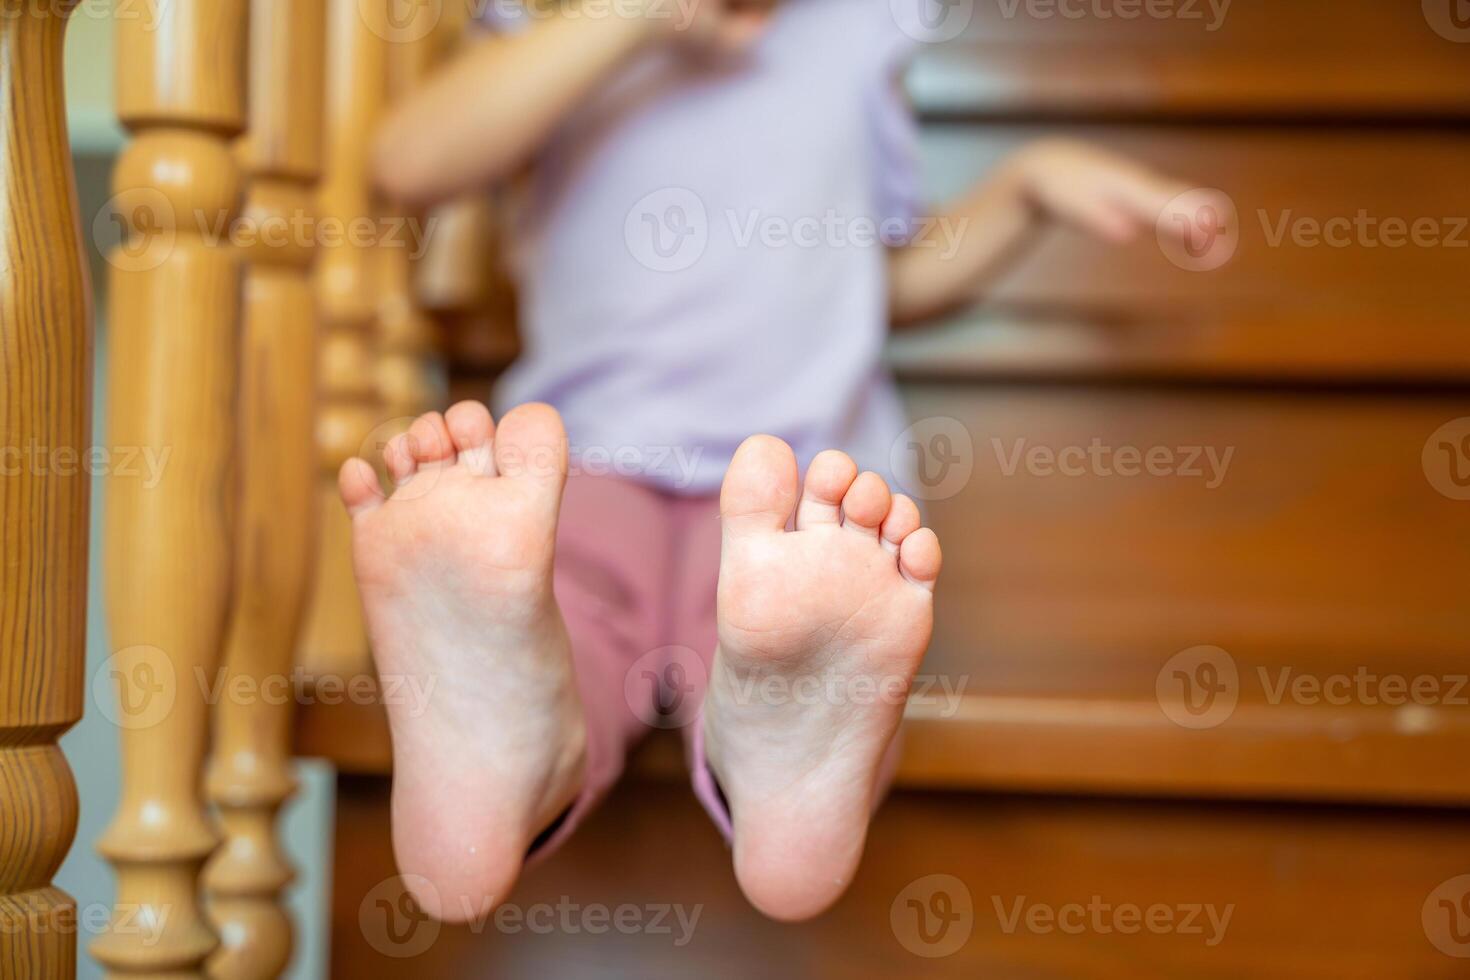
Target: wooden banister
(334,640)
(249,774)
(45,422)
(173,330)
(410,372)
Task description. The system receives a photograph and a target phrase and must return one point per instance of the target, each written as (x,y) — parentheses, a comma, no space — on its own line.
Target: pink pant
(636,570)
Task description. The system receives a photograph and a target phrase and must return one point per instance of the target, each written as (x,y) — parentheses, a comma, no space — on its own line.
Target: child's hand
(1092,189)
(709,26)
(1088,188)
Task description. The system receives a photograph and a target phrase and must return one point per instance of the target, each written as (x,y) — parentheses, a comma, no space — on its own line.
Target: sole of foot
(454,568)
(821,630)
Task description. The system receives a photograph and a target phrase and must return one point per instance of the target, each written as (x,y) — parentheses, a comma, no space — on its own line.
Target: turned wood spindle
(410,371)
(334,640)
(174,336)
(249,776)
(45,423)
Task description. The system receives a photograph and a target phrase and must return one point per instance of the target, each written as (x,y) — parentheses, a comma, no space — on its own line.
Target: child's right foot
(455,574)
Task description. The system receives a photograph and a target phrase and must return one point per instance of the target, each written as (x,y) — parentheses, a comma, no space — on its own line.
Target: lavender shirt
(700,252)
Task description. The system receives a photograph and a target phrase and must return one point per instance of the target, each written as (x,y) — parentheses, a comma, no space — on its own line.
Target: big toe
(531,444)
(759,492)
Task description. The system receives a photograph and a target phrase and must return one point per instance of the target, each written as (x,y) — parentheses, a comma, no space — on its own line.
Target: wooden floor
(1035,887)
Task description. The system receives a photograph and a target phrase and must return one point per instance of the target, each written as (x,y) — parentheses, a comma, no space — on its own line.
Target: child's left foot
(820,632)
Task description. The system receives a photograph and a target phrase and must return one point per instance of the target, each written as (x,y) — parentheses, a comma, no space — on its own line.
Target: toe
(428,439)
(760,487)
(866,504)
(359,486)
(827,480)
(399,458)
(902,520)
(470,430)
(530,443)
(919,558)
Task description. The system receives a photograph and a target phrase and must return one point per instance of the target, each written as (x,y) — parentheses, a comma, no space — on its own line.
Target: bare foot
(820,632)
(455,574)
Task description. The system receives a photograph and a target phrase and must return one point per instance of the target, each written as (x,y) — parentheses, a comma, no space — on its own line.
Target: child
(696,263)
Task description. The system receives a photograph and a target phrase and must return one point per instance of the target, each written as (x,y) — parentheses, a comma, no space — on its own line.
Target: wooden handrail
(249,774)
(45,417)
(173,329)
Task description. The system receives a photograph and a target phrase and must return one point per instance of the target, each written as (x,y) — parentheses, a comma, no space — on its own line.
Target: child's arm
(1105,195)
(482,116)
